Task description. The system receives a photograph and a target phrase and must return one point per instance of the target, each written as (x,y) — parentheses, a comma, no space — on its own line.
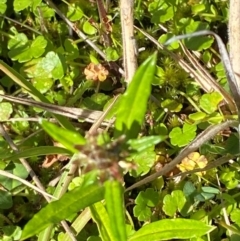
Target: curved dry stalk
(10,175)
(196,71)
(233,84)
(21,24)
(75,113)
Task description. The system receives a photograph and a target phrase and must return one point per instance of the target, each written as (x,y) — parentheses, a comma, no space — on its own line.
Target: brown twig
(205,136)
(9,175)
(104,21)
(75,113)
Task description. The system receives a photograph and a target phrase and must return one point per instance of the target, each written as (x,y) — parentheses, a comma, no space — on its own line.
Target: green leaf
(171,229)
(144,143)
(66,137)
(11,233)
(72,51)
(189,189)
(17,169)
(23,83)
(111,54)
(88,28)
(5,111)
(20,5)
(210,190)
(114,197)
(96,101)
(229,177)
(23,50)
(165,37)
(50,67)
(38,46)
(171,105)
(197,8)
(148,197)
(3,6)
(209,102)
(144,161)
(20,126)
(197,116)
(6,201)
(38,151)
(232,145)
(182,137)
(197,44)
(56,211)
(35,4)
(174,202)
(42,84)
(144,201)
(160,12)
(101,217)
(142,212)
(135,99)
(74,12)
(235,216)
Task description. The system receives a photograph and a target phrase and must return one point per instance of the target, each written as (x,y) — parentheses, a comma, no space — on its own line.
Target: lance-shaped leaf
(69,204)
(133,103)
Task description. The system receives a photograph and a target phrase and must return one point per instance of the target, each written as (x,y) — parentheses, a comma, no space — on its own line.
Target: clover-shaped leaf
(38,46)
(19,40)
(174,202)
(23,50)
(229,177)
(144,161)
(142,212)
(209,102)
(50,67)
(144,201)
(181,137)
(160,12)
(148,197)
